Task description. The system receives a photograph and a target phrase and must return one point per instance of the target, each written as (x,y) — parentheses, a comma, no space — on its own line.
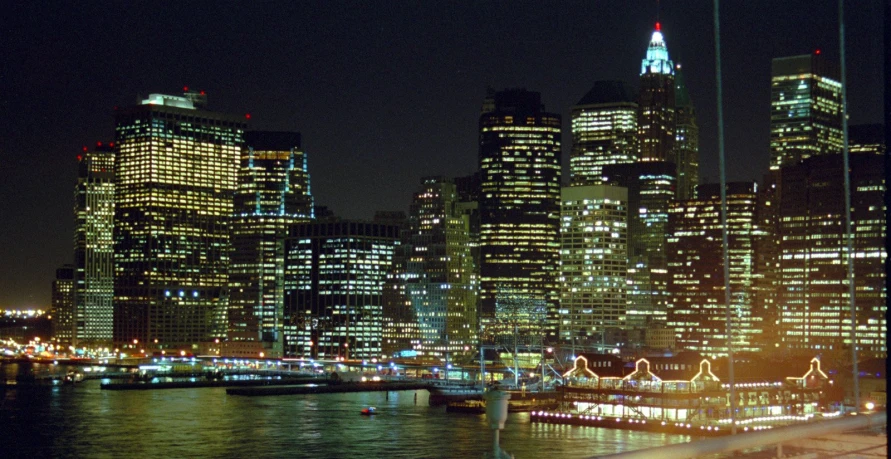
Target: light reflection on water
(84,421)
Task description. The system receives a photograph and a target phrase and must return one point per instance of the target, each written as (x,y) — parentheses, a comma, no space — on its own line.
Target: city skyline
(63,96)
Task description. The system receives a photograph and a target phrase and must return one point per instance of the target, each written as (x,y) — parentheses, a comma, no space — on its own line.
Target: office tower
(697,307)
(273,193)
(335,273)
(440,280)
(686,148)
(519,205)
(62,310)
(94,245)
(805,109)
(175,180)
(813,297)
(604,131)
(656,115)
(766,271)
(593,264)
(401,333)
(651,187)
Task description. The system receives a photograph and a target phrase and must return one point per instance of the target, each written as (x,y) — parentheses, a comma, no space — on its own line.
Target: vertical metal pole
(724,229)
(848,234)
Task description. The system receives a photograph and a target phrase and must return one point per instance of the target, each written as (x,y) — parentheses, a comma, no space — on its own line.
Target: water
(84,421)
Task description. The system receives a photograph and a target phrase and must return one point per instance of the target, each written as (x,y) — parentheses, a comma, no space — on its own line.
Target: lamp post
(496,414)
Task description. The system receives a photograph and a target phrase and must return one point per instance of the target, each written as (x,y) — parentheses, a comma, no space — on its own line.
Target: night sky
(383,92)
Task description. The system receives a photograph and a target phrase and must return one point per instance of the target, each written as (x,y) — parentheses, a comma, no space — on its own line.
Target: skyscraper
(273,193)
(813,297)
(697,306)
(656,116)
(441,282)
(94,245)
(62,309)
(519,214)
(175,181)
(686,148)
(604,131)
(805,109)
(651,188)
(335,272)
(593,264)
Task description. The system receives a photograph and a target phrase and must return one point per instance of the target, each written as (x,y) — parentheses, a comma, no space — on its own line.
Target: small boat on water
(368,411)
(73,377)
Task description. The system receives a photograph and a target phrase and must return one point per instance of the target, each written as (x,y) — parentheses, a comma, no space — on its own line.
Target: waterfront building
(62,310)
(697,308)
(593,265)
(335,271)
(686,148)
(651,188)
(805,109)
(273,193)
(441,282)
(656,116)
(813,297)
(175,180)
(687,393)
(93,314)
(604,131)
(519,205)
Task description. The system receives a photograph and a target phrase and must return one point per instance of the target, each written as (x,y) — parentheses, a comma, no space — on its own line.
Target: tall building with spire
(805,109)
(686,148)
(273,193)
(519,204)
(656,117)
(94,245)
(604,131)
(175,180)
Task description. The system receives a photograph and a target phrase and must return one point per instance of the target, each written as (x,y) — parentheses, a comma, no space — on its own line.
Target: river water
(84,421)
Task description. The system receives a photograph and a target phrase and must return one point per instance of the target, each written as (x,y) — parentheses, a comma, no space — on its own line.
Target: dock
(326,389)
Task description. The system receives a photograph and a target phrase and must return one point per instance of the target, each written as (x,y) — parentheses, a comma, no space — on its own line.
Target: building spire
(657,60)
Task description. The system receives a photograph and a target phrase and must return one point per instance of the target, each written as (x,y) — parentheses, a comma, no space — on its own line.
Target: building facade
(604,131)
(62,311)
(519,205)
(697,308)
(175,180)
(656,116)
(593,264)
(686,148)
(805,109)
(94,245)
(273,193)
(335,272)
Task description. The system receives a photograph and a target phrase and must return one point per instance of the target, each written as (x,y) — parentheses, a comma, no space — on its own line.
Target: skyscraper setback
(175,180)
(656,104)
(93,314)
(519,159)
(273,193)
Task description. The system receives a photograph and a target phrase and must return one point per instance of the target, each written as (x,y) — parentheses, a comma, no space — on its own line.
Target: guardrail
(762,438)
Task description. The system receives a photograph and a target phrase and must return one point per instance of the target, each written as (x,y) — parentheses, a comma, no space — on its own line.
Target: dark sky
(383,92)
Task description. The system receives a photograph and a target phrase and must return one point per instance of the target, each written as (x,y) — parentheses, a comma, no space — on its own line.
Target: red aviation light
(817,52)
(658,26)
(185,89)
(80,157)
(203,93)
(98,144)
(247,116)
(84,148)
(111,144)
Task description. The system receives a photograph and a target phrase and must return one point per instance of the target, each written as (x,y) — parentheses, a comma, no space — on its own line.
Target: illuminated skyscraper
(813,297)
(686,148)
(519,214)
(94,245)
(175,180)
(656,105)
(335,271)
(604,131)
(697,306)
(273,193)
(593,264)
(62,309)
(805,110)
(440,279)
(651,187)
